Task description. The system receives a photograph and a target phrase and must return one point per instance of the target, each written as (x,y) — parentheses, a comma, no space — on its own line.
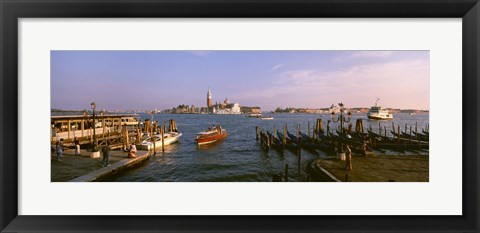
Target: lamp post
(342,119)
(93,105)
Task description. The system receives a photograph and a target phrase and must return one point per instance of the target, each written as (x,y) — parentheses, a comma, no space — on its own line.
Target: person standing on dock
(348,155)
(77,146)
(59,150)
(105,152)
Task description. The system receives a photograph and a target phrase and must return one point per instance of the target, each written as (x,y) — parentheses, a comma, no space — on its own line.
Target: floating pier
(114,168)
(74,166)
(387,168)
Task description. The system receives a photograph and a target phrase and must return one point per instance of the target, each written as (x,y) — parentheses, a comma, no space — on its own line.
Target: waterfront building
(250,110)
(225,107)
(192,109)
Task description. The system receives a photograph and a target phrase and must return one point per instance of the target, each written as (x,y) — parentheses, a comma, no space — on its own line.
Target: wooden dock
(113,168)
(82,168)
(384,168)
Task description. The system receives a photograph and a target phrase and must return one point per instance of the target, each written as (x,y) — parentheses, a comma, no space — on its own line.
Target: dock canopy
(81,126)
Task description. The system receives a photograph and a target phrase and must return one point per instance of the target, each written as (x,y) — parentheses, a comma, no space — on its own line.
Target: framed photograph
(239,116)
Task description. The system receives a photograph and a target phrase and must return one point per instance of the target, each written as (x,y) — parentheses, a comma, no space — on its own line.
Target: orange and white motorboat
(211,135)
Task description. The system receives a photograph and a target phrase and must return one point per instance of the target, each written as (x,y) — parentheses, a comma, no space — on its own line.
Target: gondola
(325,143)
(275,143)
(421,136)
(305,143)
(358,146)
(289,144)
(397,144)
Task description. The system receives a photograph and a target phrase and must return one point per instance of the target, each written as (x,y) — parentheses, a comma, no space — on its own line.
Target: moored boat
(169,138)
(304,142)
(267,118)
(255,115)
(211,135)
(378,113)
(275,143)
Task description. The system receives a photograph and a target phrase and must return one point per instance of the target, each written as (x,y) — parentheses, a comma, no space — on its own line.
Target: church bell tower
(209,98)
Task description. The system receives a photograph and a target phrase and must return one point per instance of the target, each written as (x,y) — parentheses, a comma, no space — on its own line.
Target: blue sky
(144,80)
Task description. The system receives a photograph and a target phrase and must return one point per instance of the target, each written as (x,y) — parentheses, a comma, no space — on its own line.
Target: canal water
(239,157)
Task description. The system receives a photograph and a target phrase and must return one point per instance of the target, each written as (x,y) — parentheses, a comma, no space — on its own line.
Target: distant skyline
(145,80)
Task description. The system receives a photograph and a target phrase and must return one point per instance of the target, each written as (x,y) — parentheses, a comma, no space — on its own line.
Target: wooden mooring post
(139,135)
(410,134)
(268,142)
(357,125)
(286,172)
(154,141)
(416,132)
(299,164)
(398,133)
(262,141)
(417,138)
(319,126)
(328,128)
(277,178)
(264,144)
(163,140)
(256,133)
(308,127)
(127,138)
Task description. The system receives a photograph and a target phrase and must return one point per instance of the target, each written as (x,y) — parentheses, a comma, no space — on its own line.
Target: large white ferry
(378,113)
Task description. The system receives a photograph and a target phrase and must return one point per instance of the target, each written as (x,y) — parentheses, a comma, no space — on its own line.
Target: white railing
(78,133)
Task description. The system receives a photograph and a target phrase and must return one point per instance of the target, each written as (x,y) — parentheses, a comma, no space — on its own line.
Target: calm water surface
(239,157)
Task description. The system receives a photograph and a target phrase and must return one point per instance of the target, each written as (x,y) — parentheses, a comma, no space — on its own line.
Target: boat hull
(379,118)
(170,138)
(173,139)
(211,139)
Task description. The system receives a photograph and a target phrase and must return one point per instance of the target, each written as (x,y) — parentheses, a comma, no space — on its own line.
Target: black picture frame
(11,11)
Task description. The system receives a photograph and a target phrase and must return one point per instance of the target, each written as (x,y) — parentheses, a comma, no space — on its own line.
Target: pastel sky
(144,80)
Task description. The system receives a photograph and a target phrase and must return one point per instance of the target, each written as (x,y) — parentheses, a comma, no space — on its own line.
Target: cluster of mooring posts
(138,134)
(362,142)
(286,141)
(284,176)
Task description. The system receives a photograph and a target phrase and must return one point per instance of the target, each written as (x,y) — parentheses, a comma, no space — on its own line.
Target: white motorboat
(378,113)
(267,118)
(168,137)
